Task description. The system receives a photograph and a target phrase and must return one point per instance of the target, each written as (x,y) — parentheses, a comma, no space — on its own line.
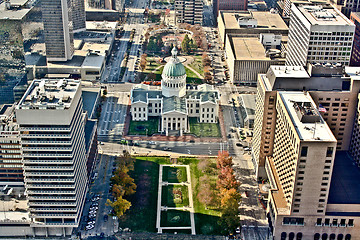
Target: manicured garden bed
(175,196)
(175,218)
(174,174)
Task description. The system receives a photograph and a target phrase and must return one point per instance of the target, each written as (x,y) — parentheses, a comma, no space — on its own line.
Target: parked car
(106,217)
(167,149)
(151,143)
(89,227)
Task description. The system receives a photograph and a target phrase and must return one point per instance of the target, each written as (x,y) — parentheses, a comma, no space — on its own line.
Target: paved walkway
(197,74)
(190,208)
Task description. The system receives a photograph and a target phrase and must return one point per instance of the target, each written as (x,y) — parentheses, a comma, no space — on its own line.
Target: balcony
(43,129)
(47,148)
(49,168)
(27,179)
(47,155)
(45,136)
(52,203)
(27,174)
(46,142)
(54,224)
(49,186)
(49,192)
(53,210)
(51,198)
(28,161)
(53,215)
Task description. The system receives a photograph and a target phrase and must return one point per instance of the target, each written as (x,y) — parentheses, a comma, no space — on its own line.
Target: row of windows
(335,222)
(332,33)
(155,104)
(304,151)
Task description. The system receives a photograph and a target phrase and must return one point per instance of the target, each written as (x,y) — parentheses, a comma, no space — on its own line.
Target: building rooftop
(265,20)
(345,180)
(14,13)
(14,211)
(174,104)
(100,26)
(49,94)
(305,117)
(320,15)
(93,60)
(248,102)
(247,48)
(101,48)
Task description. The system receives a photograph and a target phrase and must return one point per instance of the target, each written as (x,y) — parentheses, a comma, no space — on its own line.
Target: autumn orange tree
(123,184)
(228,194)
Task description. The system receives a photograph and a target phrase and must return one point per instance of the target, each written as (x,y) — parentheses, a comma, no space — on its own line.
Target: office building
(58,29)
(319,34)
(11,171)
(189,11)
(248,56)
(79,17)
(14,31)
(51,120)
(250,23)
(334,87)
(174,104)
(355,55)
(234,5)
(304,144)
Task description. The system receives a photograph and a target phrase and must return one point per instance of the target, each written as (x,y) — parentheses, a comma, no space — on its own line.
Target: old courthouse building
(173,103)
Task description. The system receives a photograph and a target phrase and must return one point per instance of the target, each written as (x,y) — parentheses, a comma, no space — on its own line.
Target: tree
(226,179)
(205,195)
(120,206)
(104,92)
(223,159)
(185,44)
(192,45)
(230,198)
(151,45)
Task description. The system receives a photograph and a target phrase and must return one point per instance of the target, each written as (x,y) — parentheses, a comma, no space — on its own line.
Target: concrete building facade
(189,11)
(52,133)
(234,5)
(355,55)
(247,57)
(319,34)
(305,146)
(58,29)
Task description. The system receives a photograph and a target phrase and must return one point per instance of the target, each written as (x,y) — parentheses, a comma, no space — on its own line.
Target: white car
(89,227)
(152,143)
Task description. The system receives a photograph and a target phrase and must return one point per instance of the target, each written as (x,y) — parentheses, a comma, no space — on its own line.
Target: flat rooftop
(100,26)
(49,94)
(93,61)
(90,95)
(265,20)
(13,14)
(319,15)
(305,117)
(14,210)
(345,180)
(289,71)
(247,48)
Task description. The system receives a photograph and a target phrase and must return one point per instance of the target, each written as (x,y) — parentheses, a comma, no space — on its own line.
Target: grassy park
(148,127)
(142,215)
(204,129)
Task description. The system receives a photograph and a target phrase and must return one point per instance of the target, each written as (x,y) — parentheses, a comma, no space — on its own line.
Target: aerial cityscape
(180,119)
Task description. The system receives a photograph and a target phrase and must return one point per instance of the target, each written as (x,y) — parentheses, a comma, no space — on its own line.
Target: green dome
(174,68)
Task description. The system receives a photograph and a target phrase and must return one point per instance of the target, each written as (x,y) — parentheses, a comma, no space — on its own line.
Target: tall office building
(303,142)
(318,34)
(51,120)
(11,171)
(189,11)
(58,29)
(79,17)
(355,55)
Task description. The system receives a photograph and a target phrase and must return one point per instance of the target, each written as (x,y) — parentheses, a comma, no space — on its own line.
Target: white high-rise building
(51,120)
(319,34)
(61,19)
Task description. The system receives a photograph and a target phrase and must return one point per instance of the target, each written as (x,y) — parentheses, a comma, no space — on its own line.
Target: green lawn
(142,215)
(139,127)
(197,65)
(174,174)
(151,64)
(175,218)
(206,220)
(175,196)
(204,129)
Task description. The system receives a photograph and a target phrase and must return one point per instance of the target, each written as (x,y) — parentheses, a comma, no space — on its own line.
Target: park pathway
(190,208)
(194,71)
